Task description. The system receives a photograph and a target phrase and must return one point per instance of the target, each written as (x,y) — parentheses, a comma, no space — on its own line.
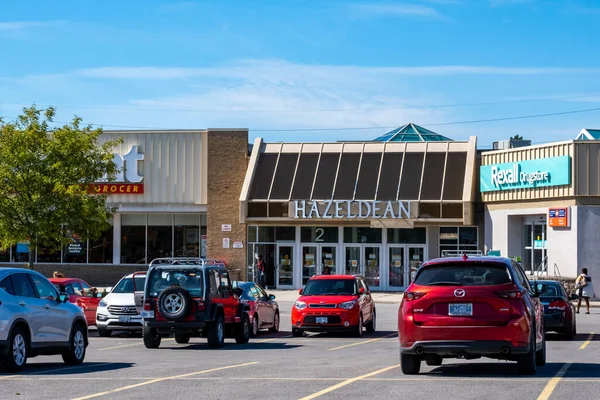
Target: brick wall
(227,163)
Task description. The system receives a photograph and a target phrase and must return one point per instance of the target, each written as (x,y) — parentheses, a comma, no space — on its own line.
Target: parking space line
(551,385)
(362,342)
(128,345)
(589,339)
(348,382)
(166,378)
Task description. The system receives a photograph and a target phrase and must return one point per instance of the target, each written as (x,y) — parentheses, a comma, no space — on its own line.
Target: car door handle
(22,303)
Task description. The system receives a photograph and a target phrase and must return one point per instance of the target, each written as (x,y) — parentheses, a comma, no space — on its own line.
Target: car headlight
(300,305)
(102,303)
(348,305)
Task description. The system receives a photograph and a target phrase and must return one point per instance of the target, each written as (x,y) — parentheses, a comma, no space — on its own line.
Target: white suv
(36,320)
(117,311)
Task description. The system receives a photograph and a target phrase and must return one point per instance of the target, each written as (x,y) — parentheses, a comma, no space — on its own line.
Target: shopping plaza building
(378,208)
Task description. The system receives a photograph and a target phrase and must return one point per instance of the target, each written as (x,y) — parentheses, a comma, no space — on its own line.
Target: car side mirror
(301,291)
(573,296)
(271,297)
(63,297)
(99,295)
(361,290)
(541,288)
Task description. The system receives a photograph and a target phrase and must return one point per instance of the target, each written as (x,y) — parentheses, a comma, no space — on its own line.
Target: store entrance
(403,261)
(365,260)
(318,259)
(534,254)
(285,266)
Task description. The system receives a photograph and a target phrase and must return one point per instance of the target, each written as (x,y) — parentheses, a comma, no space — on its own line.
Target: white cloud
(24,25)
(402,9)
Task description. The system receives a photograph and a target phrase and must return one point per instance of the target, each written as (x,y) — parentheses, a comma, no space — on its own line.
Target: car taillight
(200,305)
(413,295)
(511,294)
(147,305)
(557,305)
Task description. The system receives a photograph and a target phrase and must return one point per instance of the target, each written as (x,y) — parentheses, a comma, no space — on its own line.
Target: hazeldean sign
(350,209)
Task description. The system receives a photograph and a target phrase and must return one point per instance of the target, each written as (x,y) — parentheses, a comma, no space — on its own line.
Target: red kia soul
(471,308)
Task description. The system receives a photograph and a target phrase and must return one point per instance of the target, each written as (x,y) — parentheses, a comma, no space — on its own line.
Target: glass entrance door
(353,260)
(309,262)
(534,256)
(416,257)
(328,257)
(372,258)
(318,259)
(397,263)
(285,266)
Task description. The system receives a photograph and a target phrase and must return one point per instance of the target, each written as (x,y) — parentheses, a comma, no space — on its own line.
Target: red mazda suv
(330,303)
(471,308)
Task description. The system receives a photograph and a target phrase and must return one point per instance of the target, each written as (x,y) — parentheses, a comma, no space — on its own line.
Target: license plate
(460,309)
(147,314)
(321,320)
(125,319)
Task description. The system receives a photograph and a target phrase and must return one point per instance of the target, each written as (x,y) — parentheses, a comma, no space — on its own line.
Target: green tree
(46,176)
(517,137)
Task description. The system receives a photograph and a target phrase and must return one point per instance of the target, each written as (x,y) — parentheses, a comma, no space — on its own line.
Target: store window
(76,250)
(458,240)
(160,235)
(20,253)
(133,238)
(5,255)
(319,235)
(49,254)
(101,249)
(407,236)
(187,236)
(362,235)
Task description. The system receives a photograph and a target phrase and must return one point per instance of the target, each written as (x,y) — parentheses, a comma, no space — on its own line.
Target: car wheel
(76,352)
(297,332)
(568,332)
(15,357)
(275,327)
(242,334)
(174,303)
(527,362)
(540,355)
(434,361)
(216,333)
(371,325)
(255,325)
(151,337)
(181,338)
(410,364)
(104,332)
(359,328)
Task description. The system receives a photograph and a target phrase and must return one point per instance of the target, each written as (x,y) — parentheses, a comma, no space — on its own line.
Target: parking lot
(275,366)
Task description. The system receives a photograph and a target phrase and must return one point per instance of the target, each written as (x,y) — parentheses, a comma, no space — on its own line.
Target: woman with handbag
(584,289)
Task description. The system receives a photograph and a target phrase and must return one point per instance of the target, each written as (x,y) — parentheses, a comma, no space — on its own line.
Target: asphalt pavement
(278,366)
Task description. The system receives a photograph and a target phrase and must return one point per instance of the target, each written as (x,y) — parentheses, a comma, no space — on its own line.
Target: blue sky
(277,67)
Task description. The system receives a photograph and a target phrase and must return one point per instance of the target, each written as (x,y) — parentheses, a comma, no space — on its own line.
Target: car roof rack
(203,262)
(454,253)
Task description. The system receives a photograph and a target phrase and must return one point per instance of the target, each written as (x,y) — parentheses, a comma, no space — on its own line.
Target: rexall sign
(553,171)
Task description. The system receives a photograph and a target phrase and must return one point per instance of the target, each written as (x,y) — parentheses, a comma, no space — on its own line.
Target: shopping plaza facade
(378,208)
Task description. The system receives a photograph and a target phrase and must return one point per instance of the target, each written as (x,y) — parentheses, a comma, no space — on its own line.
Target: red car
(330,303)
(471,308)
(80,293)
(264,310)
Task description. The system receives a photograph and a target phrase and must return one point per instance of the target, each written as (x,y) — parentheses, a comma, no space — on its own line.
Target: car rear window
(463,274)
(190,279)
(330,287)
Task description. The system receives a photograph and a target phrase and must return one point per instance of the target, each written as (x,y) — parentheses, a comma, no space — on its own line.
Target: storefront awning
(432,177)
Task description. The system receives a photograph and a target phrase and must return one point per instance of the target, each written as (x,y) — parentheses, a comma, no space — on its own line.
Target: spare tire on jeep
(174,302)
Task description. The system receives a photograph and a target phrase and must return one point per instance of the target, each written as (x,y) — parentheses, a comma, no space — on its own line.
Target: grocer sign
(553,171)
(351,209)
(128,179)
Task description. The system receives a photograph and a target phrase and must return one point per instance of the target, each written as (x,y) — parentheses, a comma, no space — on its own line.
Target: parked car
(117,310)
(559,312)
(192,298)
(264,310)
(330,303)
(80,294)
(471,307)
(35,320)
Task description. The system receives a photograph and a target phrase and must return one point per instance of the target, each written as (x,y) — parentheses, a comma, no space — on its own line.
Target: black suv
(191,297)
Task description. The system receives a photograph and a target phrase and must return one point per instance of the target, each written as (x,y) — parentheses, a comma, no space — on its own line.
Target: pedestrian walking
(584,289)
(260,266)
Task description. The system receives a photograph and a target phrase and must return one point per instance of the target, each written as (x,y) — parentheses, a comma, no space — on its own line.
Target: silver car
(36,320)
